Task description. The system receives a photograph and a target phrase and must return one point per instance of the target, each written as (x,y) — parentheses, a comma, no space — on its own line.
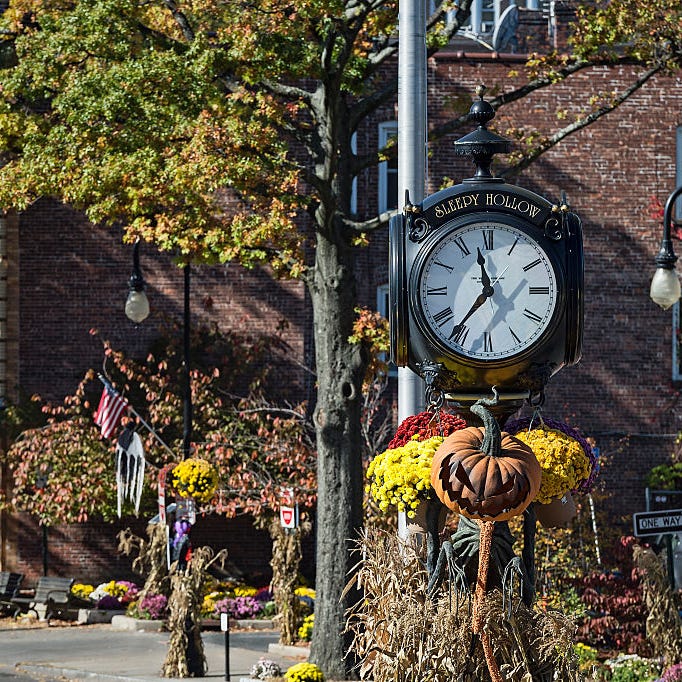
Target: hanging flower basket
(401,475)
(567,460)
(195,478)
(557,513)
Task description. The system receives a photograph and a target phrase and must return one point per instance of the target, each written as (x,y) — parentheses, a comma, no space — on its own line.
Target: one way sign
(657,522)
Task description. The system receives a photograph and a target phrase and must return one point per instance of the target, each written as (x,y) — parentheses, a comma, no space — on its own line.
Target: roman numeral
(516,241)
(488,239)
(531,315)
(462,247)
(437,291)
(531,265)
(516,338)
(487,342)
(449,268)
(459,334)
(443,316)
(538,290)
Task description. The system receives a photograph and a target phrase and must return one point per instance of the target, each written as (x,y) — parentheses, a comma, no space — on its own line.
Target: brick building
(65,276)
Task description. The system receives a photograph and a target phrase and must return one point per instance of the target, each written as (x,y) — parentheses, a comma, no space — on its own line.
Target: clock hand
(480,300)
(497,279)
(485,278)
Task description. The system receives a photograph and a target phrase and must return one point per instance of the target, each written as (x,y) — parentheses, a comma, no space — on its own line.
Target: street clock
(486,281)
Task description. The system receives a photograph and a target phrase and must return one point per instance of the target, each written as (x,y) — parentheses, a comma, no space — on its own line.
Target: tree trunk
(340,368)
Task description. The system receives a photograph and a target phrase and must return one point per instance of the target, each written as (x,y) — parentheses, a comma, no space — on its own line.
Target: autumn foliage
(64,472)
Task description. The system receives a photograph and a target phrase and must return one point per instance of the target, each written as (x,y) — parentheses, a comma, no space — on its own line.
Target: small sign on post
(657,522)
(225,627)
(288,510)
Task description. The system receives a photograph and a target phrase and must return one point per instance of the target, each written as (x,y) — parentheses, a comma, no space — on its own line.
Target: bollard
(225,627)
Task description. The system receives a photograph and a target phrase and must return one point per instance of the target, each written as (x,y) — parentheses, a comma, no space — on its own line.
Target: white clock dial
(487,291)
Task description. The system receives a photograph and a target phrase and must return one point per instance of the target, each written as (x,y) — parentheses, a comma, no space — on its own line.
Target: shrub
(304,672)
(305,632)
(82,591)
(632,668)
(672,674)
(108,603)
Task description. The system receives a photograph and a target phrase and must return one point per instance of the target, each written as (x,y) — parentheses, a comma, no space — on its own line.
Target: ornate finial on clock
(482,144)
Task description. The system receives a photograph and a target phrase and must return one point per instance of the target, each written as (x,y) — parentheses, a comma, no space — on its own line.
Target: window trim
(387,129)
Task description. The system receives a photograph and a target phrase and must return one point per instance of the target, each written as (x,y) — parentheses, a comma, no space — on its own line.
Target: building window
(388,171)
(382,309)
(493,23)
(677,214)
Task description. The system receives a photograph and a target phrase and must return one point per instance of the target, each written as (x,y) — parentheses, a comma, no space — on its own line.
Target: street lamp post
(187,397)
(665,284)
(137,304)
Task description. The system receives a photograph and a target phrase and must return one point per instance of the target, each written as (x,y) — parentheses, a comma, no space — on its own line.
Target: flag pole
(110,387)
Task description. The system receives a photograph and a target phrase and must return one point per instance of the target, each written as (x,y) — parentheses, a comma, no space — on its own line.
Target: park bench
(9,588)
(54,594)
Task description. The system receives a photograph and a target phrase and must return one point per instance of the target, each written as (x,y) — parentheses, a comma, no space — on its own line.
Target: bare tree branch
(512,96)
(181,20)
(376,223)
(581,123)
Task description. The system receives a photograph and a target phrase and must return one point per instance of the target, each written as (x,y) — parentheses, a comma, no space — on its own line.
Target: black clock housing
(481,279)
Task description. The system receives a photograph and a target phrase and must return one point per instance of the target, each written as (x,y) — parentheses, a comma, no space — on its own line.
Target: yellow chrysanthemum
(401,477)
(195,478)
(562,460)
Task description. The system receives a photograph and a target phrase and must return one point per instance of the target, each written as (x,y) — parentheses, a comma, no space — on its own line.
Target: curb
(286,650)
(136,624)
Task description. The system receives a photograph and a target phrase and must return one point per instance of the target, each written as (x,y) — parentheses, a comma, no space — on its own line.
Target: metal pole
(227,650)
(187,398)
(44,549)
(411,159)
(670,560)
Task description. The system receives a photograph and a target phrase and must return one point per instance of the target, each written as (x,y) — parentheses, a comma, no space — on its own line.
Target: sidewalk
(97,652)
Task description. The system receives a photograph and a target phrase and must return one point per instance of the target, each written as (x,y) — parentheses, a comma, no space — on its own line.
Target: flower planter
(557,513)
(417,524)
(136,624)
(91,616)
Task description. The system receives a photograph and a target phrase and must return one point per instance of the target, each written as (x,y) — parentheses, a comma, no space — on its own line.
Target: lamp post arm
(666,256)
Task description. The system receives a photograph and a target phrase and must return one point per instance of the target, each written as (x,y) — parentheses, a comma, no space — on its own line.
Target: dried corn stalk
(286,558)
(152,557)
(185,657)
(663,624)
(401,635)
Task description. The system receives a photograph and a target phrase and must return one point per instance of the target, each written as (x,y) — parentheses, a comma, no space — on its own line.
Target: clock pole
(411,161)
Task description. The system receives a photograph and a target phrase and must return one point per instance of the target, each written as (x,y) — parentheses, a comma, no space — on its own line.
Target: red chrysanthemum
(426,425)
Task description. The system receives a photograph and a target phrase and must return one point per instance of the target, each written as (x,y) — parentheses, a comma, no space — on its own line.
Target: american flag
(110,411)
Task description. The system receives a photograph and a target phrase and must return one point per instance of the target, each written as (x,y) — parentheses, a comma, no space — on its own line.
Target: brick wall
(88,552)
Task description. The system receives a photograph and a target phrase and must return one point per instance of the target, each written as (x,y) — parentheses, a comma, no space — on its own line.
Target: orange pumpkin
(485,474)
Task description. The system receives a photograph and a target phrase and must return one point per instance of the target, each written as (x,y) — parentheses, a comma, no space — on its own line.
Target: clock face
(486,291)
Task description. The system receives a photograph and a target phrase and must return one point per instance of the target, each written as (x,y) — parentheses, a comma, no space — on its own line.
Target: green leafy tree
(176,119)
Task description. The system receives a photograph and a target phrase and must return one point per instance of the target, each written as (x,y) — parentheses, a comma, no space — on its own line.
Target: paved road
(97,652)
